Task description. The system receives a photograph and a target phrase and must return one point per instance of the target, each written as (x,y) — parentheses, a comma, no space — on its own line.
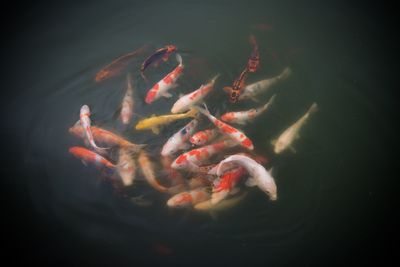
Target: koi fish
(154,122)
(226,184)
(253,90)
(237,87)
(147,167)
(198,181)
(254,60)
(179,140)
(203,137)
(190,198)
(156,57)
(192,159)
(220,206)
(127,102)
(118,65)
(85,122)
(105,137)
(187,101)
(168,82)
(228,130)
(126,167)
(243,117)
(88,156)
(259,176)
(286,139)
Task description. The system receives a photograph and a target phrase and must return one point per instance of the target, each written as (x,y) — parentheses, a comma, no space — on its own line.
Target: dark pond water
(331,192)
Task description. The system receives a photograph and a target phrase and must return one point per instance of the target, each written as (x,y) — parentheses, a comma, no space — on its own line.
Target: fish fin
(77,123)
(273,142)
(227,89)
(192,113)
(179,59)
(271,171)
(292,149)
(167,95)
(215,78)
(84,162)
(117,113)
(251,182)
(155,130)
(313,108)
(234,191)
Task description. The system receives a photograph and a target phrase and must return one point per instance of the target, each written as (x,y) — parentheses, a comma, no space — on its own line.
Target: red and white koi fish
(161,54)
(192,159)
(226,184)
(243,117)
(179,141)
(126,167)
(228,130)
(253,90)
(85,122)
(187,101)
(254,61)
(127,102)
(88,156)
(203,137)
(259,176)
(104,137)
(190,198)
(161,88)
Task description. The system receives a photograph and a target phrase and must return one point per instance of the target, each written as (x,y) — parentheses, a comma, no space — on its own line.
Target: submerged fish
(187,101)
(105,137)
(85,123)
(226,184)
(190,198)
(254,89)
(156,57)
(154,122)
(238,85)
(147,167)
(203,137)
(126,167)
(88,156)
(222,205)
(127,103)
(168,82)
(286,139)
(179,141)
(259,176)
(117,66)
(243,117)
(254,61)
(228,130)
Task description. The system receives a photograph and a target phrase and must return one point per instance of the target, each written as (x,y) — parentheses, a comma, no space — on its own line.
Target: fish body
(189,198)
(126,167)
(251,91)
(236,135)
(286,139)
(88,156)
(226,183)
(127,103)
(179,141)
(187,101)
(198,181)
(259,176)
(235,91)
(203,137)
(86,123)
(161,54)
(220,206)
(194,158)
(153,123)
(168,82)
(105,137)
(244,117)
(147,168)
(254,61)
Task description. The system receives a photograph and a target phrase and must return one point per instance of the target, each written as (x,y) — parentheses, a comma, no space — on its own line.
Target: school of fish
(208,162)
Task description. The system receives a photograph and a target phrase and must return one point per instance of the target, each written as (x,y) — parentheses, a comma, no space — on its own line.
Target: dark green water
(332,193)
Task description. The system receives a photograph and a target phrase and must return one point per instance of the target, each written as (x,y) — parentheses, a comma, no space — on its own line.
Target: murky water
(325,189)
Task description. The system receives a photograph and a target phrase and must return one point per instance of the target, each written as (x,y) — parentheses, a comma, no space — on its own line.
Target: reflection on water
(212,40)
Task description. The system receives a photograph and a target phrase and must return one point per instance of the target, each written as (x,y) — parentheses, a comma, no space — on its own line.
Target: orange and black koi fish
(237,87)
(156,57)
(117,66)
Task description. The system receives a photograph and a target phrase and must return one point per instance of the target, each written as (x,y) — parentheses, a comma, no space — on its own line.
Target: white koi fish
(85,123)
(168,82)
(286,139)
(187,101)
(228,130)
(254,89)
(179,140)
(127,102)
(243,117)
(259,176)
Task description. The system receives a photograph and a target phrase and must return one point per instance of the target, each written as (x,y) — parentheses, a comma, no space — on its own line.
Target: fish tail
(285,73)
(270,102)
(312,109)
(179,59)
(215,78)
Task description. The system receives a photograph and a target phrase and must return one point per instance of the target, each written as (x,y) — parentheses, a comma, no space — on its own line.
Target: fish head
(180,200)
(85,110)
(268,187)
(169,148)
(178,107)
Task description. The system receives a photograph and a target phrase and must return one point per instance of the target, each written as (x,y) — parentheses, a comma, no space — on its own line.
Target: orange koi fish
(88,156)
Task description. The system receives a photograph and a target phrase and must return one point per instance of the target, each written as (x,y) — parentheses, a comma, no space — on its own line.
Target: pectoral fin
(292,149)
(227,89)
(273,142)
(155,130)
(167,95)
(251,182)
(255,99)
(234,191)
